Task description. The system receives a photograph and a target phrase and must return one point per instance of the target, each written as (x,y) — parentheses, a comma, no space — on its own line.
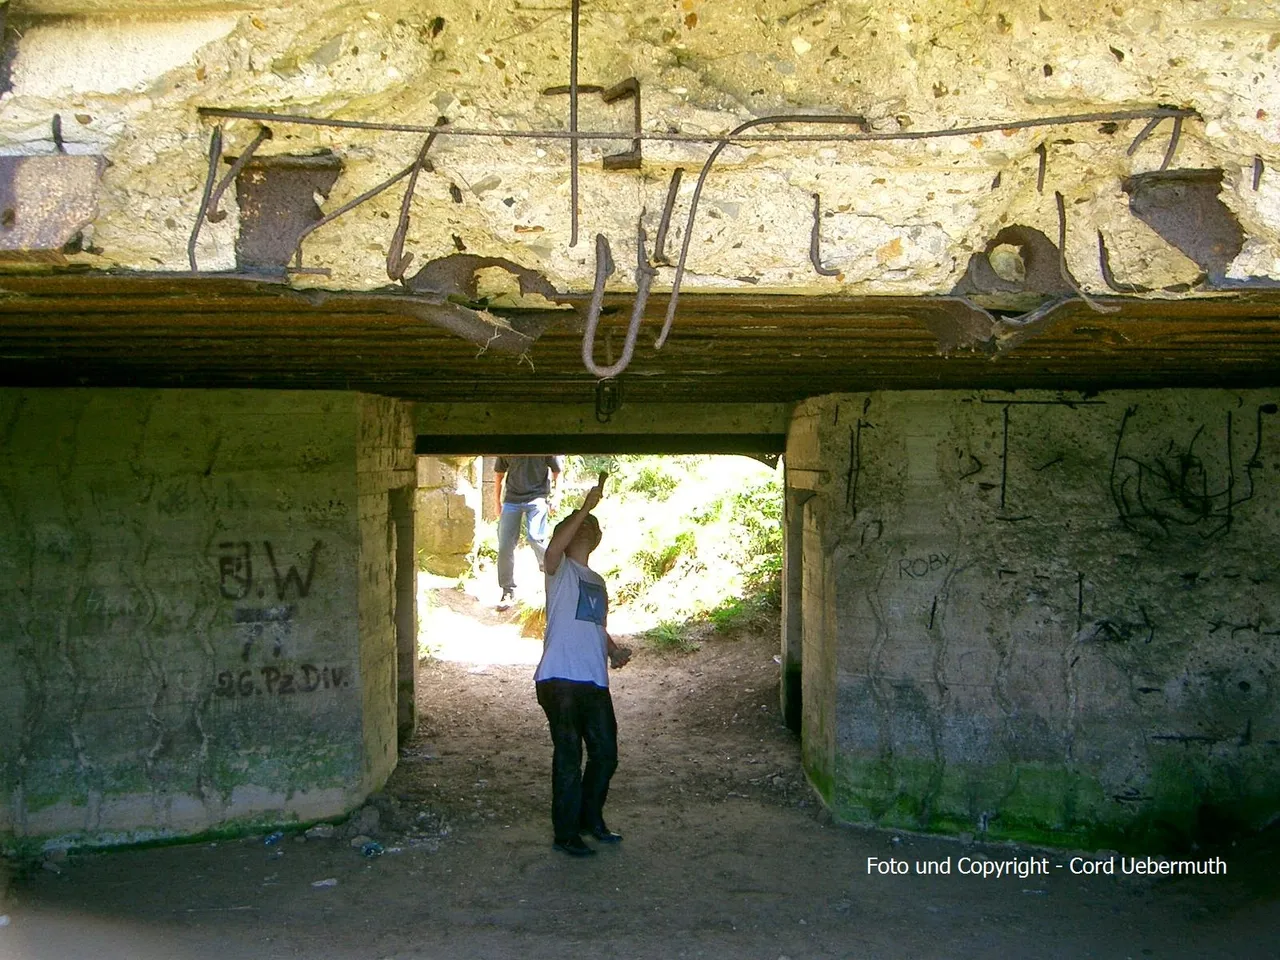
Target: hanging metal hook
(644,279)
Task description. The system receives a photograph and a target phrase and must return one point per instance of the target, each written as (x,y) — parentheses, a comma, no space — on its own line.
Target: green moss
(1042,804)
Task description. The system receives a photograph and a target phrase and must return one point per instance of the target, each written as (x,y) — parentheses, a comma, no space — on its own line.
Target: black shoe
(604,834)
(508,598)
(574,846)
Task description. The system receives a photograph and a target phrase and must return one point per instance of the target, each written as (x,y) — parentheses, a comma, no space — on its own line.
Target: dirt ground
(727,853)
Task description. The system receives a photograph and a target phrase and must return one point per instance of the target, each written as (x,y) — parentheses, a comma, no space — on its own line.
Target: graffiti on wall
(280,682)
(268,626)
(235,572)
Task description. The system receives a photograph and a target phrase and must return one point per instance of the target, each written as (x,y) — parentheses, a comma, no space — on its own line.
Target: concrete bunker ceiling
(837,238)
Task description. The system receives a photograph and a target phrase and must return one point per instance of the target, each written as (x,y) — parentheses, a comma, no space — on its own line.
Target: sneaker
(603,834)
(508,598)
(574,846)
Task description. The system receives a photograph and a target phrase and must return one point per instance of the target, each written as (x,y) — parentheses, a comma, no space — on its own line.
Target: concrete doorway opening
(698,707)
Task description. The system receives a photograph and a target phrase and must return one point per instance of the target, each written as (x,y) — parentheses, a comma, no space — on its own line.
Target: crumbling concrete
(896,216)
(1040,616)
(196,612)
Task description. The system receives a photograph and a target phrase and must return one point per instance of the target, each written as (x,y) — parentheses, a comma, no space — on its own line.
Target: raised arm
(568,528)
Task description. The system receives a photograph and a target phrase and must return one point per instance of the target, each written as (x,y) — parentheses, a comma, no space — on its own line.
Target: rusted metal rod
(215,154)
(1143,134)
(660,242)
(1155,113)
(369,194)
(814,256)
(846,120)
(1062,259)
(214,215)
(397,260)
(1174,137)
(576,16)
(1108,277)
(644,280)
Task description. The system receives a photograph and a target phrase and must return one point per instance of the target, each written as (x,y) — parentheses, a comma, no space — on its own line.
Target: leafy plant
(654,482)
(671,637)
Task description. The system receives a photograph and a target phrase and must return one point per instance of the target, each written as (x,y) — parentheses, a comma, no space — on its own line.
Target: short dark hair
(590,517)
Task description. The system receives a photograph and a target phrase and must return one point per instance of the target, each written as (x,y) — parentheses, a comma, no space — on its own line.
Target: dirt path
(726,854)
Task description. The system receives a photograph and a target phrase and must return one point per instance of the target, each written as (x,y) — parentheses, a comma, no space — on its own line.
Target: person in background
(572,682)
(522,487)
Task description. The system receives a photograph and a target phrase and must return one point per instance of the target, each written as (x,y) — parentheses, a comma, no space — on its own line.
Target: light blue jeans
(532,517)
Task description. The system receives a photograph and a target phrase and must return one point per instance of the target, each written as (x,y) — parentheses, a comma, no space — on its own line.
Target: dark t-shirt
(528,478)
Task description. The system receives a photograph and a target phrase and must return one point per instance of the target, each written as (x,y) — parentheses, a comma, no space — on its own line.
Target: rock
(365,820)
(321,831)
(360,841)
(327,882)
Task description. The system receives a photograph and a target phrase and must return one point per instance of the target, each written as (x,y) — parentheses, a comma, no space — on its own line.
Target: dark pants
(577,712)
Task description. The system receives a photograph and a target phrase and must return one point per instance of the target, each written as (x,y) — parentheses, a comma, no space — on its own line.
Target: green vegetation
(692,545)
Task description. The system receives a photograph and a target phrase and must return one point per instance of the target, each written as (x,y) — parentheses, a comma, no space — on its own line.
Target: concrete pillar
(1042,617)
(406,614)
(197,619)
(792,604)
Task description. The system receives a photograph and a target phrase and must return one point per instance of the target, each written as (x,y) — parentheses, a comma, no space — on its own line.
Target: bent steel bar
(215,154)
(644,279)
(843,119)
(1062,259)
(814,256)
(660,242)
(369,194)
(1061,120)
(1108,277)
(397,260)
(213,214)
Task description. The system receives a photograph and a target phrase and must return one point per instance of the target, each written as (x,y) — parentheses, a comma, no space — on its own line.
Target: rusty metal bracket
(56,127)
(814,256)
(1257,173)
(644,280)
(1186,209)
(627,89)
(608,399)
(628,159)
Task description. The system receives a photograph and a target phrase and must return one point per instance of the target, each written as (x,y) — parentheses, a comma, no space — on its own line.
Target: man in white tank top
(572,681)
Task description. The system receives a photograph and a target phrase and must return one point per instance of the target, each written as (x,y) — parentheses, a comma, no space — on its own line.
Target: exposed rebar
(815,256)
(215,154)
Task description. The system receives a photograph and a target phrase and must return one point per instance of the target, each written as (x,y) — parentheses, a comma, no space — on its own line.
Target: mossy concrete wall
(1045,617)
(185,642)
